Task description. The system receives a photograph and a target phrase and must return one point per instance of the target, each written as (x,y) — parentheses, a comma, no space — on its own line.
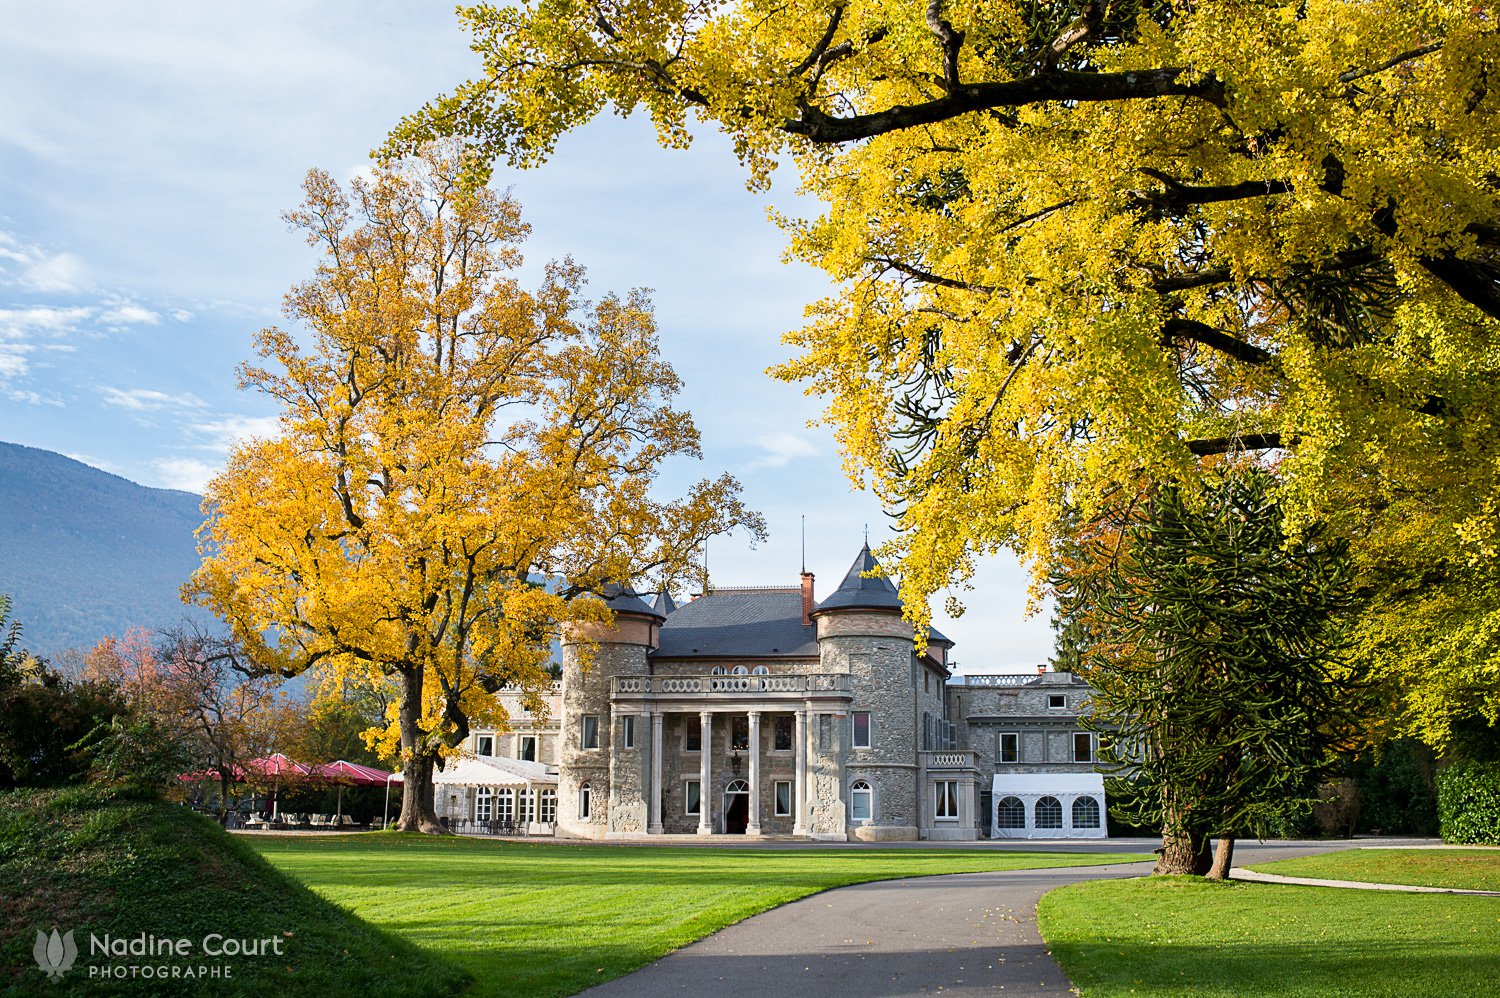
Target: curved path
(961,934)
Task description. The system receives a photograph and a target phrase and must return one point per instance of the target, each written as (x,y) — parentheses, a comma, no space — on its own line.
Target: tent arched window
(1049,813)
(1010,813)
(1085,813)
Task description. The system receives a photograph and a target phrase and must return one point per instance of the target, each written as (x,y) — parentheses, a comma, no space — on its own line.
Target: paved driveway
(965,934)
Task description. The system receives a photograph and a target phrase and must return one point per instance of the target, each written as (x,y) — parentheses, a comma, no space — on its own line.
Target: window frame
(627,730)
(739,732)
(791,733)
(480,742)
(547,807)
(854,716)
(536,747)
(945,800)
(484,803)
(776,810)
(1015,737)
(690,788)
(585,801)
(1036,813)
(1002,809)
(1061,701)
(857,789)
(588,734)
(1093,746)
(1098,812)
(692,728)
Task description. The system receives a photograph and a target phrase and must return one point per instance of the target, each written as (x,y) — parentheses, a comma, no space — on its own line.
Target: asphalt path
(962,934)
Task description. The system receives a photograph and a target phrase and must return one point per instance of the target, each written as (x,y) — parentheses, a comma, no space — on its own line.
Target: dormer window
(1057,701)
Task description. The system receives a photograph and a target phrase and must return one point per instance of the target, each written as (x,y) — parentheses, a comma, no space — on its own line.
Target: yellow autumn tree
(1080,244)
(458,461)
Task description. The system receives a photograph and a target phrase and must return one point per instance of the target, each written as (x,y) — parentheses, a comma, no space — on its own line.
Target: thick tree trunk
(417,811)
(1184,842)
(224,782)
(1223,858)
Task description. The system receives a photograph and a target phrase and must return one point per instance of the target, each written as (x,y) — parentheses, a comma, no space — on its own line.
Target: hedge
(1469,803)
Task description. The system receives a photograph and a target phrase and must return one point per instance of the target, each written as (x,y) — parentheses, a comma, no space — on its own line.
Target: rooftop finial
(867,535)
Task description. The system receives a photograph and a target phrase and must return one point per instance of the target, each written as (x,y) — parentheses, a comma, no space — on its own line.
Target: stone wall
(586,692)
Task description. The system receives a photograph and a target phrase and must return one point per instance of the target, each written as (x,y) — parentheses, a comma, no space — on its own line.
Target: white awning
(494,771)
(1047,784)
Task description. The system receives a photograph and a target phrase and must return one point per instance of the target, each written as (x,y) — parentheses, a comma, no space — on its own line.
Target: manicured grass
(1468,869)
(1175,935)
(88,865)
(544,919)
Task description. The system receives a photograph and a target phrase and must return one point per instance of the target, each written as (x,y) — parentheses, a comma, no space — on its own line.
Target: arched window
(585,801)
(484,804)
(1085,813)
(505,805)
(742,670)
(717,670)
(861,801)
(1010,813)
(549,807)
(760,670)
(737,787)
(1048,813)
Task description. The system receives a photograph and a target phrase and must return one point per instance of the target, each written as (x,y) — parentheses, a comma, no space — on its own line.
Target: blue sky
(147,150)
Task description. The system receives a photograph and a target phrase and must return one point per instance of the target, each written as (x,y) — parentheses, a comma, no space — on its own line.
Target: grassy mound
(124,869)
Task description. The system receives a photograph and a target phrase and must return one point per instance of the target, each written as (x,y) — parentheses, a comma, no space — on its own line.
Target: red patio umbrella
(275,766)
(350,774)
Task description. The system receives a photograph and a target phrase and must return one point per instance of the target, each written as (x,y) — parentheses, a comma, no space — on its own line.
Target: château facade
(764,711)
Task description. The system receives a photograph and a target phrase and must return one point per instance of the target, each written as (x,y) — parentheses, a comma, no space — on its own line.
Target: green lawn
(1175,935)
(546,919)
(1469,869)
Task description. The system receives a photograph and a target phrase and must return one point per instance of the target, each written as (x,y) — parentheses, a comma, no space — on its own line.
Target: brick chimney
(807,598)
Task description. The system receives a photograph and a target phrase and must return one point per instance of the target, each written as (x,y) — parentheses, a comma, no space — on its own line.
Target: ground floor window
(483,803)
(783,798)
(945,794)
(526,808)
(692,795)
(628,735)
(585,801)
(549,807)
(1085,813)
(1010,813)
(1048,813)
(505,805)
(861,801)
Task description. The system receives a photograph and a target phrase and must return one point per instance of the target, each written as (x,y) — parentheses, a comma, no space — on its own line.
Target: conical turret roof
(622,599)
(857,592)
(663,605)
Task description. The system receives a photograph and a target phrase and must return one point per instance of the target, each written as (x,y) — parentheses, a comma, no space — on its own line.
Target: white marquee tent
(1049,806)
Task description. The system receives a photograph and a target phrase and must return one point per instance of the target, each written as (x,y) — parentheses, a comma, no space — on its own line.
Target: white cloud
(28,397)
(127,313)
(782,448)
(222,434)
(185,473)
(149,400)
(36,269)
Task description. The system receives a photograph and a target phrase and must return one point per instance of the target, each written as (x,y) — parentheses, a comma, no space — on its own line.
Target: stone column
(654,804)
(799,823)
(705,773)
(753,828)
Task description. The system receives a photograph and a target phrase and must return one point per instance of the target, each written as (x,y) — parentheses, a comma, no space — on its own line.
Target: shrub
(1469,803)
(1396,795)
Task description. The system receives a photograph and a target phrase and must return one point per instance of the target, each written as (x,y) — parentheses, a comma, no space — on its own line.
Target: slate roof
(622,599)
(732,623)
(859,593)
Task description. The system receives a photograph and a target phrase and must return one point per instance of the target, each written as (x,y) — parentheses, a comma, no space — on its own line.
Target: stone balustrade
(964,759)
(731,686)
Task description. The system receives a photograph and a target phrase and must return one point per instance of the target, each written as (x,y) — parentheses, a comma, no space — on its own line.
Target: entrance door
(736,807)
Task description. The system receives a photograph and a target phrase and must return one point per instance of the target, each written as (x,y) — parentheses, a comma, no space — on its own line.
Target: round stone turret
(588,803)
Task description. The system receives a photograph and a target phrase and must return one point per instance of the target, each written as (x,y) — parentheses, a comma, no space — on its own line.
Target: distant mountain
(84,553)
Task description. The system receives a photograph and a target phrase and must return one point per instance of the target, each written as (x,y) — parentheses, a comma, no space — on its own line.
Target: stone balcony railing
(951,759)
(783,684)
(995,680)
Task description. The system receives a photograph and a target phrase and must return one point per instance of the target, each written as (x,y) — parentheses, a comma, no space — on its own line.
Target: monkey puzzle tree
(450,446)
(1218,657)
(1076,242)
